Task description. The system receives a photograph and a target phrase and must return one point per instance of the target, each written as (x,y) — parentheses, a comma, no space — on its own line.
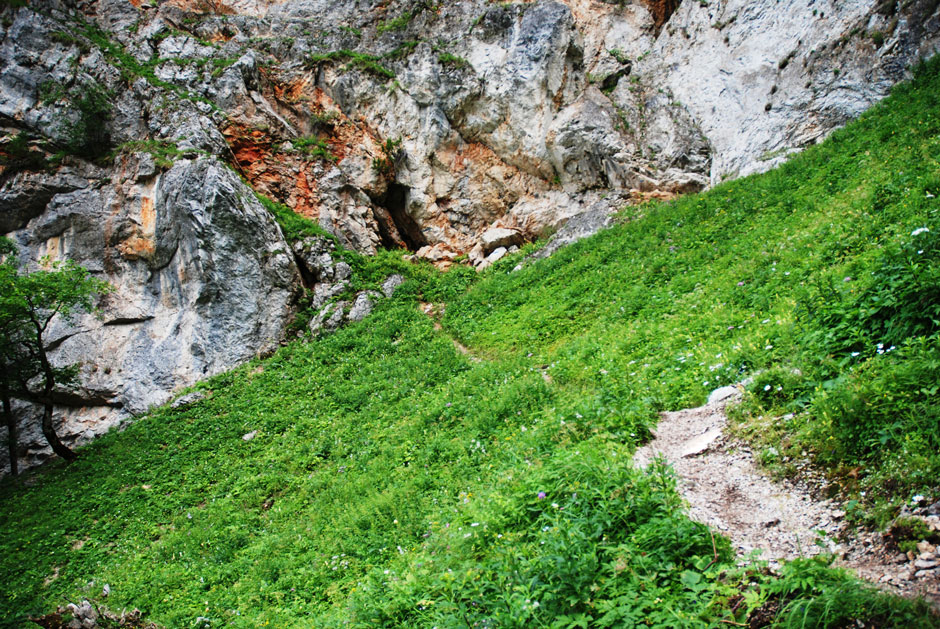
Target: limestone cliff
(136,134)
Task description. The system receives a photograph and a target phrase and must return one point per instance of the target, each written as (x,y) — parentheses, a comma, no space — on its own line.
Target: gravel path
(724,488)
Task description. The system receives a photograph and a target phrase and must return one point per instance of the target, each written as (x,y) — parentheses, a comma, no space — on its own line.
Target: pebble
(924,564)
(249,436)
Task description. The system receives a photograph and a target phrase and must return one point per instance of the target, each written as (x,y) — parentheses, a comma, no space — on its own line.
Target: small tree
(28,304)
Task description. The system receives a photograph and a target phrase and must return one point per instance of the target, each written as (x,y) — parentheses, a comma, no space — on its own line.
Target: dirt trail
(435,312)
(720,480)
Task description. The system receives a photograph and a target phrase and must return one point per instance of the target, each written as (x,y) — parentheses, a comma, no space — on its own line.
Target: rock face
(134,134)
(202,279)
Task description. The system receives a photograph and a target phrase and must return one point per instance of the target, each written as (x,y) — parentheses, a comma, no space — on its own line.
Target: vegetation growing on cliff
(380,477)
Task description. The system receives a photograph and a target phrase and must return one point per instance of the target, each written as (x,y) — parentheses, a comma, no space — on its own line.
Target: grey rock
(248,436)
(576,228)
(390,285)
(723,393)
(926,564)
(496,237)
(496,254)
(699,444)
(316,255)
(329,318)
(202,280)
(362,306)
(342,271)
(188,399)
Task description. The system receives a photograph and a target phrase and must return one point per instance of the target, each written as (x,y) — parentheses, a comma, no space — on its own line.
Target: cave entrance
(409,233)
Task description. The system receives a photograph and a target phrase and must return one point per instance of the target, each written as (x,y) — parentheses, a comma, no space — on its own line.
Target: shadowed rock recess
(135,137)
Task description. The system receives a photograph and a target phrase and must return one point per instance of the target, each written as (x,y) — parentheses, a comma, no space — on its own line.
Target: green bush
(889,399)
(87,133)
(899,299)
(314,148)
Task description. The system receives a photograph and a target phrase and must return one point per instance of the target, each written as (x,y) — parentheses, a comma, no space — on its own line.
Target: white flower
(919,231)
(767,387)
(554,505)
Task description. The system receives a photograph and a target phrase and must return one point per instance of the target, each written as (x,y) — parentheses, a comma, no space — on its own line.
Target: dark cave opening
(409,232)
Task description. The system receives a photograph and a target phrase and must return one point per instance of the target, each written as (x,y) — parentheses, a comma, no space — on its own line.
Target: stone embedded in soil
(701,443)
(496,237)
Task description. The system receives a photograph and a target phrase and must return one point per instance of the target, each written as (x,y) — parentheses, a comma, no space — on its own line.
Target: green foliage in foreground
(821,280)
(392,481)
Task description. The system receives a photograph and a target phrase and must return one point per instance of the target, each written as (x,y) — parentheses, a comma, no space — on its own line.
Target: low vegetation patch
(380,478)
(362,61)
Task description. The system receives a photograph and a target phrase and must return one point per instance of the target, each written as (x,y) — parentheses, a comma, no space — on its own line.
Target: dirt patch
(435,312)
(721,482)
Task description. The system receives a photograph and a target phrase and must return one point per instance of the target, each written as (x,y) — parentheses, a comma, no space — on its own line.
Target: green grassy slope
(393,481)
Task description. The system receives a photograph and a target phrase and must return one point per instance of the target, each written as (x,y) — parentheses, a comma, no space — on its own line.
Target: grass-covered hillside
(395,481)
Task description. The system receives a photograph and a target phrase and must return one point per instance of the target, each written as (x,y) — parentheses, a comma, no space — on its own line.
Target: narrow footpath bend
(720,480)
(435,312)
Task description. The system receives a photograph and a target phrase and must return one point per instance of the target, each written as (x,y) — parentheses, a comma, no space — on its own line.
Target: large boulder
(203,280)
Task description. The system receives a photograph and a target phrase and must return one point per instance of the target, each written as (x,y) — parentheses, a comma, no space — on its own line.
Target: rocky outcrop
(763,79)
(202,280)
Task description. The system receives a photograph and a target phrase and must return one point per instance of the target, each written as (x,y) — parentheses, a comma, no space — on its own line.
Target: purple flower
(541,495)
(847,279)
(741,283)
(448,404)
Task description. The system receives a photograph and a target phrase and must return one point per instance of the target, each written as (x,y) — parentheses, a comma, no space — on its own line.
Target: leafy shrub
(314,148)
(448,59)
(391,152)
(901,299)
(18,154)
(367,63)
(87,134)
(816,596)
(889,399)
(294,226)
(399,23)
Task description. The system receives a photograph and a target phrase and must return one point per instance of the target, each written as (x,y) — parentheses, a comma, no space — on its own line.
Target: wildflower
(541,495)
(554,505)
(475,524)
(847,279)
(741,283)
(854,354)
(919,231)
(766,387)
